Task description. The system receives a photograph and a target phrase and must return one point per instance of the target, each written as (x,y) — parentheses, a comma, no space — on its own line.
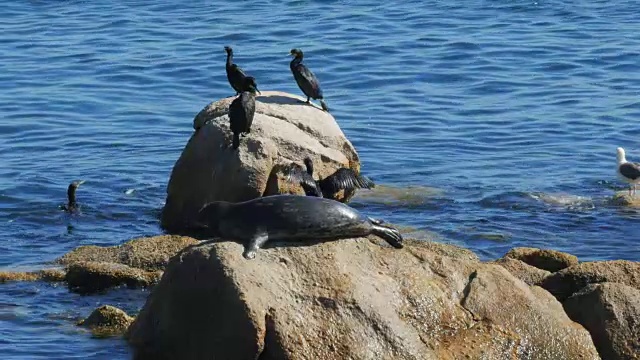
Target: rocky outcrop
(611,313)
(349,299)
(565,283)
(284,130)
(91,276)
(107,320)
(136,263)
(549,260)
(44,274)
(149,253)
(523,271)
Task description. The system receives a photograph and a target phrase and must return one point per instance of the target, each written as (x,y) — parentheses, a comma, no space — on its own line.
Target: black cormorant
(72,206)
(242,109)
(307,82)
(235,75)
(342,179)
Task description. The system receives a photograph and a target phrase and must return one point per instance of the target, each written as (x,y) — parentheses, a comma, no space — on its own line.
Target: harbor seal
(290,218)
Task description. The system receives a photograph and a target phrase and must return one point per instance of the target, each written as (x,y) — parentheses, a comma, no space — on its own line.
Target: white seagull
(628,171)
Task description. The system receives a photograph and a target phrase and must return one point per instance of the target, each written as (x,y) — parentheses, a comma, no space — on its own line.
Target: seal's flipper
(258,240)
(376,221)
(389,234)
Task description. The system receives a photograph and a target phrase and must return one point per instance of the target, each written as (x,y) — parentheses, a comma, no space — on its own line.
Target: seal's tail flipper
(389,234)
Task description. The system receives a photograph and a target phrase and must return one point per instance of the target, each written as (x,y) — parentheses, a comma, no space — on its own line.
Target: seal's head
(210,215)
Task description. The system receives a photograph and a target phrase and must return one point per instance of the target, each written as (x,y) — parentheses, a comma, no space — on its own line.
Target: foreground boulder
(284,130)
(611,313)
(349,299)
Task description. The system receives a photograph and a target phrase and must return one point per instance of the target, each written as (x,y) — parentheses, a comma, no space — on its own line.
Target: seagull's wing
(630,170)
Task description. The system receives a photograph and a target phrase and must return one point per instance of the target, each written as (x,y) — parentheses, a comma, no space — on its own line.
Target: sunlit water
(488,124)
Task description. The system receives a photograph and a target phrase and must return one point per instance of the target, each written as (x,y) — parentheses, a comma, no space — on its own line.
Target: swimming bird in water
(235,75)
(306,80)
(72,205)
(342,179)
(627,171)
(242,110)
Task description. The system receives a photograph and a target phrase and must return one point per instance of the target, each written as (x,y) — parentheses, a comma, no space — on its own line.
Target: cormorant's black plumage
(306,80)
(342,179)
(242,110)
(235,75)
(72,205)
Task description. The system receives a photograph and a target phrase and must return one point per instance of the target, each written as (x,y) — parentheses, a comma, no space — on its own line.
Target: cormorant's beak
(258,91)
(81,182)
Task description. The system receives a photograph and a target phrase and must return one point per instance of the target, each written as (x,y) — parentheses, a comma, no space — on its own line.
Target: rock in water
(349,299)
(107,320)
(284,130)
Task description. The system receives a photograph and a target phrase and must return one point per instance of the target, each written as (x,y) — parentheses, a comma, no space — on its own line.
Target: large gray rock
(611,313)
(566,282)
(349,299)
(284,130)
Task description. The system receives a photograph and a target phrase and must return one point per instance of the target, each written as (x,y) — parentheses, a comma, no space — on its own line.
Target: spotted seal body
(290,218)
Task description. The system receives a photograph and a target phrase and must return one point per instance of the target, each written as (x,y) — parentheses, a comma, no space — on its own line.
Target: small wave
(391,195)
(575,202)
(518,200)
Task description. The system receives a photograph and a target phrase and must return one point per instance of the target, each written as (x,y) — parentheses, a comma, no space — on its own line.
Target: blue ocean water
(512,110)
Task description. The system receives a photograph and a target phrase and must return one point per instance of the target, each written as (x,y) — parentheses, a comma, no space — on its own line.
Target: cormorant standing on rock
(72,206)
(307,82)
(242,109)
(342,179)
(235,75)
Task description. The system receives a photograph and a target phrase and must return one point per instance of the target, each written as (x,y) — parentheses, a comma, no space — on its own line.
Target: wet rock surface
(92,276)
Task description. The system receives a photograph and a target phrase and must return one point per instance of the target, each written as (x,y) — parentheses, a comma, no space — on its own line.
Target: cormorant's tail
(389,234)
(236,140)
(324,105)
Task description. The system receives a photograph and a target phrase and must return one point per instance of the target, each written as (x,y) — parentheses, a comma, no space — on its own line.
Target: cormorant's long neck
(229,58)
(309,168)
(71,195)
(296,60)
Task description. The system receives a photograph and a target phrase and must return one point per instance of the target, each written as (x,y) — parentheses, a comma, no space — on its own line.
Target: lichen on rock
(107,320)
